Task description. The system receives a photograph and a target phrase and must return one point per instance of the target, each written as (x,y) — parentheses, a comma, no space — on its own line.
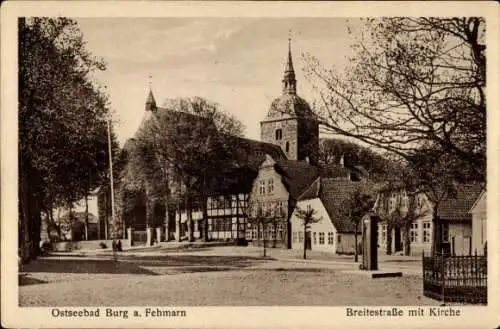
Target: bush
(103,245)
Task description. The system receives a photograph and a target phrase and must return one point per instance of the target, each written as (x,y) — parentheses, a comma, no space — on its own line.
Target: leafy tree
(358,205)
(181,147)
(225,122)
(412,84)
(62,126)
(332,150)
(308,218)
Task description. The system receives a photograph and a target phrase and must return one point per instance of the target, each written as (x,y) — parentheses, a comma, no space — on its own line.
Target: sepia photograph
(166,163)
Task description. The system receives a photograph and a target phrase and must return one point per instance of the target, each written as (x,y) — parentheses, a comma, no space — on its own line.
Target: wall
(479,225)
(416,247)
(289,130)
(270,199)
(462,233)
(324,225)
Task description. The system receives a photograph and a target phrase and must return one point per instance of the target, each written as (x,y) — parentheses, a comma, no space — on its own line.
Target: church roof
(151,98)
(289,105)
(247,154)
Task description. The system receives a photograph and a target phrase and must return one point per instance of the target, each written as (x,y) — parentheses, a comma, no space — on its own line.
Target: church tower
(290,122)
(150,102)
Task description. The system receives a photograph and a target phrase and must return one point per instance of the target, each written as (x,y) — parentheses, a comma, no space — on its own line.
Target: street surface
(204,275)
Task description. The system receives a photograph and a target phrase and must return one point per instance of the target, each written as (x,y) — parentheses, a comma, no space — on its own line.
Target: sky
(236,62)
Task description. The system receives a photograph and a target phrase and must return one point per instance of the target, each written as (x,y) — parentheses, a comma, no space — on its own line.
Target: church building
(270,174)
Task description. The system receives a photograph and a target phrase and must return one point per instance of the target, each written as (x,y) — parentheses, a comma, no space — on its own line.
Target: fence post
(442,277)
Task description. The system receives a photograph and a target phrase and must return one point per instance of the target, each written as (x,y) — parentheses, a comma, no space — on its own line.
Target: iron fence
(460,279)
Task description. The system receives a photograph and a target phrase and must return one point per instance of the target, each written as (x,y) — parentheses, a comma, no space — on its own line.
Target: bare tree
(412,84)
(264,218)
(308,217)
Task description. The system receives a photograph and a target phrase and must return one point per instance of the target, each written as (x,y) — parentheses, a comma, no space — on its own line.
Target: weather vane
(150,81)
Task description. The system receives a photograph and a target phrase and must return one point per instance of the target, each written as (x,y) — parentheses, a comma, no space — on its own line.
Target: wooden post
(443,281)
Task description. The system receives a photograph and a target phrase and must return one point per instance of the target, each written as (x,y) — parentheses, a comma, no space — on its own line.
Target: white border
(248,317)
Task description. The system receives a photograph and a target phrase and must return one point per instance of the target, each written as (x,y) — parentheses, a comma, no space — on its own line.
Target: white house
(331,198)
(479,225)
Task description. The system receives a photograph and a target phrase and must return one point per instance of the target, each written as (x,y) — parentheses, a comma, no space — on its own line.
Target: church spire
(289,82)
(150,101)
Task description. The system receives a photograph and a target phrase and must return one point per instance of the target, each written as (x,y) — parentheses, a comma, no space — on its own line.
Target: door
(308,240)
(398,246)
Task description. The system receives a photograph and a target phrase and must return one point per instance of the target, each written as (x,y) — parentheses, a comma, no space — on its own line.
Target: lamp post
(110,152)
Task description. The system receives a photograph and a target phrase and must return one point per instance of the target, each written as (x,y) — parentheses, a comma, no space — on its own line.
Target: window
(315,241)
(321,237)
(339,238)
(287,147)
(330,237)
(383,234)
(273,234)
(280,208)
(419,201)
(427,232)
(279,134)
(444,233)
(270,186)
(301,237)
(414,232)
(262,187)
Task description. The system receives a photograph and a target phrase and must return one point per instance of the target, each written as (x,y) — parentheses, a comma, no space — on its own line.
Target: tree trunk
(264,238)
(178,224)
(205,218)
(305,240)
(389,239)
(407,246)
(436,232)
(86,217)
(356,243)
(167,219)
(189,220)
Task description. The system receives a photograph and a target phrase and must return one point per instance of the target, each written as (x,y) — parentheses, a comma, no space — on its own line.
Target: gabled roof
(336,195)
(456,207)
(479,202)
(297,175)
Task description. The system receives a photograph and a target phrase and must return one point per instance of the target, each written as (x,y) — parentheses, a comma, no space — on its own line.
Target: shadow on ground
(82,265)
(138,265)
(24,280)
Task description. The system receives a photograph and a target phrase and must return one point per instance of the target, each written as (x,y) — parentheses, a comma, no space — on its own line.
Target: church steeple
(150,101)
(289,82)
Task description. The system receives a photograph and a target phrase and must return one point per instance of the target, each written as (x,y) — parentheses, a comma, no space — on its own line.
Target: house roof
(456,207)
(297,175)
(478,202)
(335,194)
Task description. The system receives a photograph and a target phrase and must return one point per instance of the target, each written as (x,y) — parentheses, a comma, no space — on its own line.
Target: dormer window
(279,134)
